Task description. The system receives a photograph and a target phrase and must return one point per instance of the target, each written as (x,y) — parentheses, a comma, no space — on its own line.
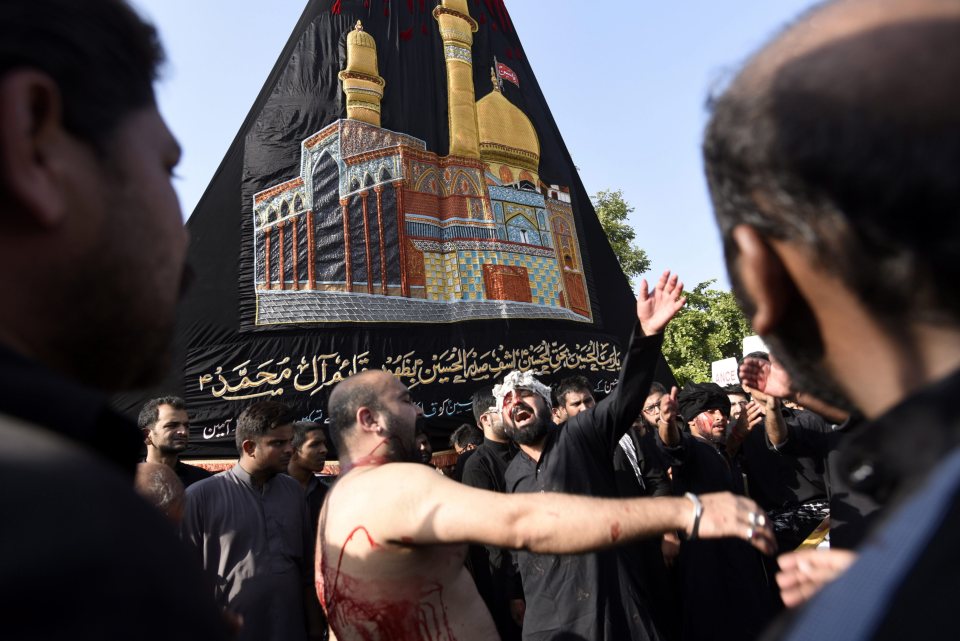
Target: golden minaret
(456,31)
(361,79)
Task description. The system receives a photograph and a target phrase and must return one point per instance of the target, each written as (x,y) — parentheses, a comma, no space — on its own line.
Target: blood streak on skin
(615,532)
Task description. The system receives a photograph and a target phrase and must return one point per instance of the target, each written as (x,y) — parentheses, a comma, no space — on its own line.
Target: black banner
(399,197)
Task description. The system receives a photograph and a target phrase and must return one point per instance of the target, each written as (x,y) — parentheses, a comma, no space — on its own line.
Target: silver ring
(762,520)
(753,519)
(749,533)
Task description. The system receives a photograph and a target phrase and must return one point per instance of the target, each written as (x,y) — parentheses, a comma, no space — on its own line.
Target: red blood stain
(414,614)
(407,34)
(615,532)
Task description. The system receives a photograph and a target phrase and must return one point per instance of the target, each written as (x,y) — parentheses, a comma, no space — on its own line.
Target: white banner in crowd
(724,372)
(754,344)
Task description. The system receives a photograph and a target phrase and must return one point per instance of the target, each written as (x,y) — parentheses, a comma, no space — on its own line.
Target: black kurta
(598,595)
(726,585)
(84,556)
(492,567)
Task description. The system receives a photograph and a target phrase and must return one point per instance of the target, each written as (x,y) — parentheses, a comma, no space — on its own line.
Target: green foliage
(709,328)
(613,210)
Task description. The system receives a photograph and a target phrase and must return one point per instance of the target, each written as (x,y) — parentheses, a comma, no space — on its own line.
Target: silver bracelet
(697,513)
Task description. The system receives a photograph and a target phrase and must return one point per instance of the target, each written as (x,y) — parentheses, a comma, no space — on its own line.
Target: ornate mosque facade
(376,228)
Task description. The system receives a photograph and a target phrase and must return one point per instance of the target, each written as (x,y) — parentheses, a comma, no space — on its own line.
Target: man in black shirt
(720,580)
(597,595)
(166,433)
(492,567)
(91,259)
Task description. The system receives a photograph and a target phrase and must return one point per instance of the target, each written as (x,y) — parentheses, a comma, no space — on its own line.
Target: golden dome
(506,134)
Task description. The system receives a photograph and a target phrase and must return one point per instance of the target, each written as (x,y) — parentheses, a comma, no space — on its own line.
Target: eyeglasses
(650,409)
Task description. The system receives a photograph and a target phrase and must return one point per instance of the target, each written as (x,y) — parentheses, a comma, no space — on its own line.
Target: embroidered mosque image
(377,228)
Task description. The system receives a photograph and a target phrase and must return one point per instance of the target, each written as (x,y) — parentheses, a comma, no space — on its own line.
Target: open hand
(804,572)
(656,308)
(767,377)
(728,515)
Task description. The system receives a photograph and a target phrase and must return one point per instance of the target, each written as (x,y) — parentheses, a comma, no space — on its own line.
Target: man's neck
(534,450)
(302,474)
(490,436)
(257,477)
(156,456)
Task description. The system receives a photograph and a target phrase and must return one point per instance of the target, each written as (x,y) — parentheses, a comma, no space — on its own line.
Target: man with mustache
(166,433)
(832,160)
(716,577)
(598,595)
(393,533)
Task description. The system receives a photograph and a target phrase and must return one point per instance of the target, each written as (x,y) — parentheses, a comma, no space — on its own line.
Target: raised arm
(614,414)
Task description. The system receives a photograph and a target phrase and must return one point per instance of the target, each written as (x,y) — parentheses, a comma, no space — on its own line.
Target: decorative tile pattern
(282,307)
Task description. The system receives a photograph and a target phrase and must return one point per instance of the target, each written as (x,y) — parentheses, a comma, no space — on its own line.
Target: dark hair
(858,169)
(345,400)
(657,388)
(570,384)
(100,53)
(466,435)
(150,412)
(735,390)
(482,400)
(258,419)
(302,428)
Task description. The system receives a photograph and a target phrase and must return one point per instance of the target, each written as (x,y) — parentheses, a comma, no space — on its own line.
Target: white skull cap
(520,380)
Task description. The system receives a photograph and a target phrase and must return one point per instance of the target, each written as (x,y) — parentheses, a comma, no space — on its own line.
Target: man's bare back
(372,580)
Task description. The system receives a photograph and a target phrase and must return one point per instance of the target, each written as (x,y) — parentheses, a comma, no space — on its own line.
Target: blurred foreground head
(93,246)
(833,161)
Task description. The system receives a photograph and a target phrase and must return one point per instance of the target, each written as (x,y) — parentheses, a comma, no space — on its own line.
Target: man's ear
(249,447)
(763,275)
(146,436)
(367,420)
(32,135)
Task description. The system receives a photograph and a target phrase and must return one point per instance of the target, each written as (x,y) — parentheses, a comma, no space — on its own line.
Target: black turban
(695,398)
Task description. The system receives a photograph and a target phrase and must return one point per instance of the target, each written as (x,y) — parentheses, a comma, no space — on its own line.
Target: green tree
(709,328)
(612,210)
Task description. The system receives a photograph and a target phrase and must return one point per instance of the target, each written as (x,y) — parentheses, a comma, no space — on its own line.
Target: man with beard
(92,254)
(573,395)
(392,534)
(720,580)
(599,595)
(492,567)
(166,432)
(250,529)
(833,160)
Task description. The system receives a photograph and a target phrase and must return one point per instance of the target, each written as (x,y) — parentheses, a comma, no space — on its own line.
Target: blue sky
(629,99)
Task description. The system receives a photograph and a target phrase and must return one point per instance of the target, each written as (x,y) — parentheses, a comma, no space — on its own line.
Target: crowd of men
(833,162)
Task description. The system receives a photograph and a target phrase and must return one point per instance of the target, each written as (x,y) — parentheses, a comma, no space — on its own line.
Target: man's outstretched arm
(442,511)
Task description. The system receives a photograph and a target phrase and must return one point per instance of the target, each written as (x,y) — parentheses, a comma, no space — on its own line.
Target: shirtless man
(393,533)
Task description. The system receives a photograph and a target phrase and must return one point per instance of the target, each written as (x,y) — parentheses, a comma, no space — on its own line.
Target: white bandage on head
(520,380)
